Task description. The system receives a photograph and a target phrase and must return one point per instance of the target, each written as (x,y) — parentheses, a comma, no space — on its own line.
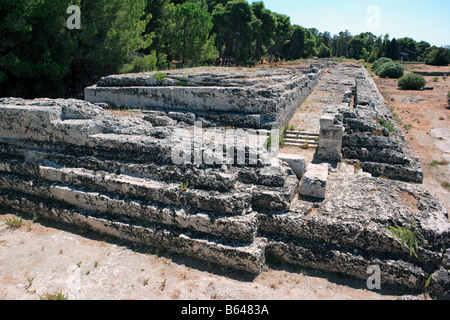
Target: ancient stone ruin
(218,191)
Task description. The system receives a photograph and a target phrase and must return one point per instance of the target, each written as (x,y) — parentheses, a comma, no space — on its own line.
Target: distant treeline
(41,56)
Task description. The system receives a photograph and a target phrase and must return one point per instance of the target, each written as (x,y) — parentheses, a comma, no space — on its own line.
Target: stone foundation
(249,98)
(148,178)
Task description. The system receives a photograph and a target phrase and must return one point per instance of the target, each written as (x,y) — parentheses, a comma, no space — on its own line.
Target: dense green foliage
(438,57)
(323,51)
(41,56)
(377,64)
(412,82)
(390,70)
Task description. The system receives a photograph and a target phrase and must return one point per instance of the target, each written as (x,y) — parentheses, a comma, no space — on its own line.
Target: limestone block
(331,134)
(315,181)
(160,121)
(296,162)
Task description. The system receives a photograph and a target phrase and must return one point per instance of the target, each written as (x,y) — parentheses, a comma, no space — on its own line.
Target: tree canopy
(41,56)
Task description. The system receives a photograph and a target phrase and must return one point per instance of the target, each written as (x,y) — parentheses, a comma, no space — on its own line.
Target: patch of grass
(387,125)
(435,163)
(408,237)
(160,76)
(184,185)
(269,142)
(14,222)
(357,166)
(54,296)
(182,83)
(397,118)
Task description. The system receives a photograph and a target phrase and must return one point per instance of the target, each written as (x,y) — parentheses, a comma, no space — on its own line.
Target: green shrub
(390,70)
(438,57)
(380,62)
(448,99)
(412,82)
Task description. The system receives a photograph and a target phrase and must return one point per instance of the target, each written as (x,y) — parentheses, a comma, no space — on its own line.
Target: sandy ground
(425,120)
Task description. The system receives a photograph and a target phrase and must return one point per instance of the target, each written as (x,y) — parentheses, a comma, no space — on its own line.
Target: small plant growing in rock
(408,237)
(14,222)
(387,125)
(305,146)
(184,185)
(160,76)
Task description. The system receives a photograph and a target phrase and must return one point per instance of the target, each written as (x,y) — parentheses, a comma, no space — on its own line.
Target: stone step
(277,193)
(300,144)
(199,177)
(232,227)
(231,203)
(245,256)
(302,133)
(292,140)
(295,137)
(228,203)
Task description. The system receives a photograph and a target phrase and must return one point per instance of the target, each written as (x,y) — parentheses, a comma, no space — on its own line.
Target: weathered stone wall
(72,161)
(249,98)
(371,136)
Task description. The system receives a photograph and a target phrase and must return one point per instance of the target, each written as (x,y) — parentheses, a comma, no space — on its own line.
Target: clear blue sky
(427,20)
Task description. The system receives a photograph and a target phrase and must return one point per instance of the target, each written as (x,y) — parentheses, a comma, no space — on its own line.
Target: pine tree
(190,38)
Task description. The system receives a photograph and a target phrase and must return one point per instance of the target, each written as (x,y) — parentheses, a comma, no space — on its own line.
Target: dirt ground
(425,120)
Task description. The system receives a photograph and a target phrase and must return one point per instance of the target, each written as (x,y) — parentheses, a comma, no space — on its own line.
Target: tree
(422,48)
(393,50)
(438,57)
(324,51)
(356,48)
(283,35)
(35,51)
(159,28)
(235,26)
(190,39)
(40,56)
(301,45)
(265,33)
(408,49)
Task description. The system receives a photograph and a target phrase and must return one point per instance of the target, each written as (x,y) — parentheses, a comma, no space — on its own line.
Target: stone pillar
(331,133)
